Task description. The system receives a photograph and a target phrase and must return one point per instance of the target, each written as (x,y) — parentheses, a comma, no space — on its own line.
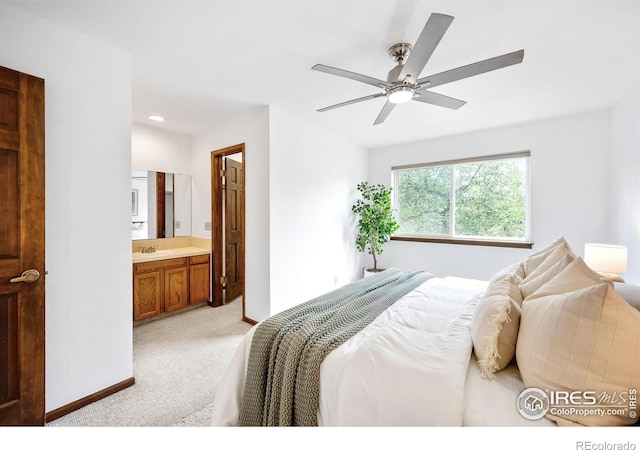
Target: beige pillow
(538,257)
(516,269)
(576,275)
(494,326)
(553,265)
(629,292)
(583,340)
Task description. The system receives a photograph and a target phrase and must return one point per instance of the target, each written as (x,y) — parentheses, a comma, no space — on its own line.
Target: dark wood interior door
(233,230)
(22,232)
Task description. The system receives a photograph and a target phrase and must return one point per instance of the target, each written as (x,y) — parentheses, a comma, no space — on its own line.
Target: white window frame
(475,240)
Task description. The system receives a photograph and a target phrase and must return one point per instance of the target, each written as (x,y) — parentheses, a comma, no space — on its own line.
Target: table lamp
(608,260)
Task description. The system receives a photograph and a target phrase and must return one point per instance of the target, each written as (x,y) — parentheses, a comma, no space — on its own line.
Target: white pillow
(576,275)
(516,269)
(553,265)
(494,325)
(538,257)
(629,292)
(582,340)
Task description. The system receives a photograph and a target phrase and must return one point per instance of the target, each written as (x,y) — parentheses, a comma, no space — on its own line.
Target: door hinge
(223,173)
(223,280)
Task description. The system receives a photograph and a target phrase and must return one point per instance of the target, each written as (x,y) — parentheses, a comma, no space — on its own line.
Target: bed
(407,348)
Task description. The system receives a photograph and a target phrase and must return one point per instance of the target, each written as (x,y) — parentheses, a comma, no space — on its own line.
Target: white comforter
(407,368)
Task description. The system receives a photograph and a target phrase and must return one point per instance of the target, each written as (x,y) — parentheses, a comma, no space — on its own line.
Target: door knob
(28,276)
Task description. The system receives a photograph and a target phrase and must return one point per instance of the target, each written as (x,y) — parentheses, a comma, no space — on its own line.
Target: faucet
(150,249)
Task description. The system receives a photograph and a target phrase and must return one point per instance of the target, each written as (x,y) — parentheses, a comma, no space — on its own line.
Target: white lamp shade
(606,258)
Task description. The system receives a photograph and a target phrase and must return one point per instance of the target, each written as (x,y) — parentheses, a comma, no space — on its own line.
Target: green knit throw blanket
(282,385)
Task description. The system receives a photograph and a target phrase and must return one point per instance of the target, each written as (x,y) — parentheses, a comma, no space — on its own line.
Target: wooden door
(219,215)
(233,230)
(22,233)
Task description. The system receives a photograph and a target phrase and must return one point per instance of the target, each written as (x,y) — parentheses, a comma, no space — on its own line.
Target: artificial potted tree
(376,221)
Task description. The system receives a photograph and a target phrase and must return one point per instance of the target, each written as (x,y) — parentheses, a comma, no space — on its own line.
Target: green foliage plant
(376,221)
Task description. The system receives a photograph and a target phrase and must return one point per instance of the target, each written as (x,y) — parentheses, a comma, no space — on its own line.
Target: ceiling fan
(403,81)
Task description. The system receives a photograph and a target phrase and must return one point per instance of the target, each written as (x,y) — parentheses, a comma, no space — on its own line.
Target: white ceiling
(200,62)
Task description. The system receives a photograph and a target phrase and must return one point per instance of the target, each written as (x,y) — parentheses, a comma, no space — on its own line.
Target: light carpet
(177,364)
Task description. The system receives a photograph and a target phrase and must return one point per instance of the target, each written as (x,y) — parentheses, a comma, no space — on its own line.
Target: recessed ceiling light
(156,118)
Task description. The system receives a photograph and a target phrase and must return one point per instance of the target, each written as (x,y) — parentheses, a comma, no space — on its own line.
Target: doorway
(228,225)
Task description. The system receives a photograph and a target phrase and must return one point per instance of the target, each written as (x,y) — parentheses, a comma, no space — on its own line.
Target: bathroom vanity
(167,280)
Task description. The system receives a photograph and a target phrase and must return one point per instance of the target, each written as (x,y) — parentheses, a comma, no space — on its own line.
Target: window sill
(461,241)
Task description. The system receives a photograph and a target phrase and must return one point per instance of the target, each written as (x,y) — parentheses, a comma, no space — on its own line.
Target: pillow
(629,292)
(576,275)
(538,257)
(550,267)
(494,325)
(516,269)
(583,340)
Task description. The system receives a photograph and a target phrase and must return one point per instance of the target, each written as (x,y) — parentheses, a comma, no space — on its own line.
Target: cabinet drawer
(160,264)
(199,259)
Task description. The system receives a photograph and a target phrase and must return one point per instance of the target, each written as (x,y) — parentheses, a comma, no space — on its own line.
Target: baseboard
(249,321)
(74,406)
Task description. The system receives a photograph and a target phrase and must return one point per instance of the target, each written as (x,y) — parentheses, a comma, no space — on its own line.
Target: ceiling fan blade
(350,102)
(439,100)
(351,75)
(386,110)
(426,44)
(470,70)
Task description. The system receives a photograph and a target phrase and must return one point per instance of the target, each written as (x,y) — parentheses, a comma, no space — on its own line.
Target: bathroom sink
(161,252)
(156,253)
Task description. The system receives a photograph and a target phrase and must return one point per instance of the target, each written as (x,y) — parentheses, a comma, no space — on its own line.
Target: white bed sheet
(493,403)
(409,367)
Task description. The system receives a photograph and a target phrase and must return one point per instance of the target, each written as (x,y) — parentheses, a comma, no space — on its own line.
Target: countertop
(168,253)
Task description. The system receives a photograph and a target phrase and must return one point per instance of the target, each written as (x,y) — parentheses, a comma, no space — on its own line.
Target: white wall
(569,189)
(160,150)
(300,184)
(88,168)
(625,179)
(313,181)
(252,129)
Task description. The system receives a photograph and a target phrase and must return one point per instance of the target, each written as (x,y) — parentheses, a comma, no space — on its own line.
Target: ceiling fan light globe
(401,95)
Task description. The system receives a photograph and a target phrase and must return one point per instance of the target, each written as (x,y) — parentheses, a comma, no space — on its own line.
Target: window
(481,200)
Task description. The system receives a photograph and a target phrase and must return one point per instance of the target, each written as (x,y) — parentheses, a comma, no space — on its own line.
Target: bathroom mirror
(160,204)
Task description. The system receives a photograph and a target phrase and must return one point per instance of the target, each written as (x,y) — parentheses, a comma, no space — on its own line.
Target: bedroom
(82,72)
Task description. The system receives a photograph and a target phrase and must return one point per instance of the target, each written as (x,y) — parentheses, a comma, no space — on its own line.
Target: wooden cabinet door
(199,286)
(147,295)
(176,288)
